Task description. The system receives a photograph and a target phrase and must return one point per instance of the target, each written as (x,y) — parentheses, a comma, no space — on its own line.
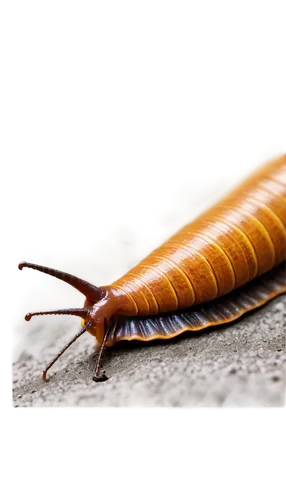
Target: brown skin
(99,312)
(114,303)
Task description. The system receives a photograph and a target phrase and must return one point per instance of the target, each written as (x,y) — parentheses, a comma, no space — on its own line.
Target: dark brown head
(99,307)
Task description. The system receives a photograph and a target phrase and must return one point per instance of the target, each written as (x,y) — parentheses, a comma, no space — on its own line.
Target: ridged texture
(219,311)
(240,238)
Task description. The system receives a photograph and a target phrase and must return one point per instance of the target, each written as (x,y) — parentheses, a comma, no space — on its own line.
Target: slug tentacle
(81,312)
(63,350)
(109,330)
(93,293)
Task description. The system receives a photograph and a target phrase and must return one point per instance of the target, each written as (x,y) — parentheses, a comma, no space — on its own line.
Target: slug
(229,261)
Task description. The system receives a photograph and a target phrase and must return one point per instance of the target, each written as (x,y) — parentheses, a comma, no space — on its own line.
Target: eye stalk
(92,293)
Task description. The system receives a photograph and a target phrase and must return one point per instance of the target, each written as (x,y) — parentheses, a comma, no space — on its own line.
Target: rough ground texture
(242,365)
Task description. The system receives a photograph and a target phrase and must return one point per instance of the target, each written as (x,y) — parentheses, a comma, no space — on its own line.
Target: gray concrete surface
(242,364)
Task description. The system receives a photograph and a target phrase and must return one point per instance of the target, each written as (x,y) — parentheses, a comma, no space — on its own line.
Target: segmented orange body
(240,238)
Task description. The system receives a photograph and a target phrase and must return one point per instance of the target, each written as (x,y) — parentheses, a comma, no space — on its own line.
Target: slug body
(239,239)
(228,261)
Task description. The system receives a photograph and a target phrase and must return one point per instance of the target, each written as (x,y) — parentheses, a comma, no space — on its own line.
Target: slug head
(99,307)
(99,315)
